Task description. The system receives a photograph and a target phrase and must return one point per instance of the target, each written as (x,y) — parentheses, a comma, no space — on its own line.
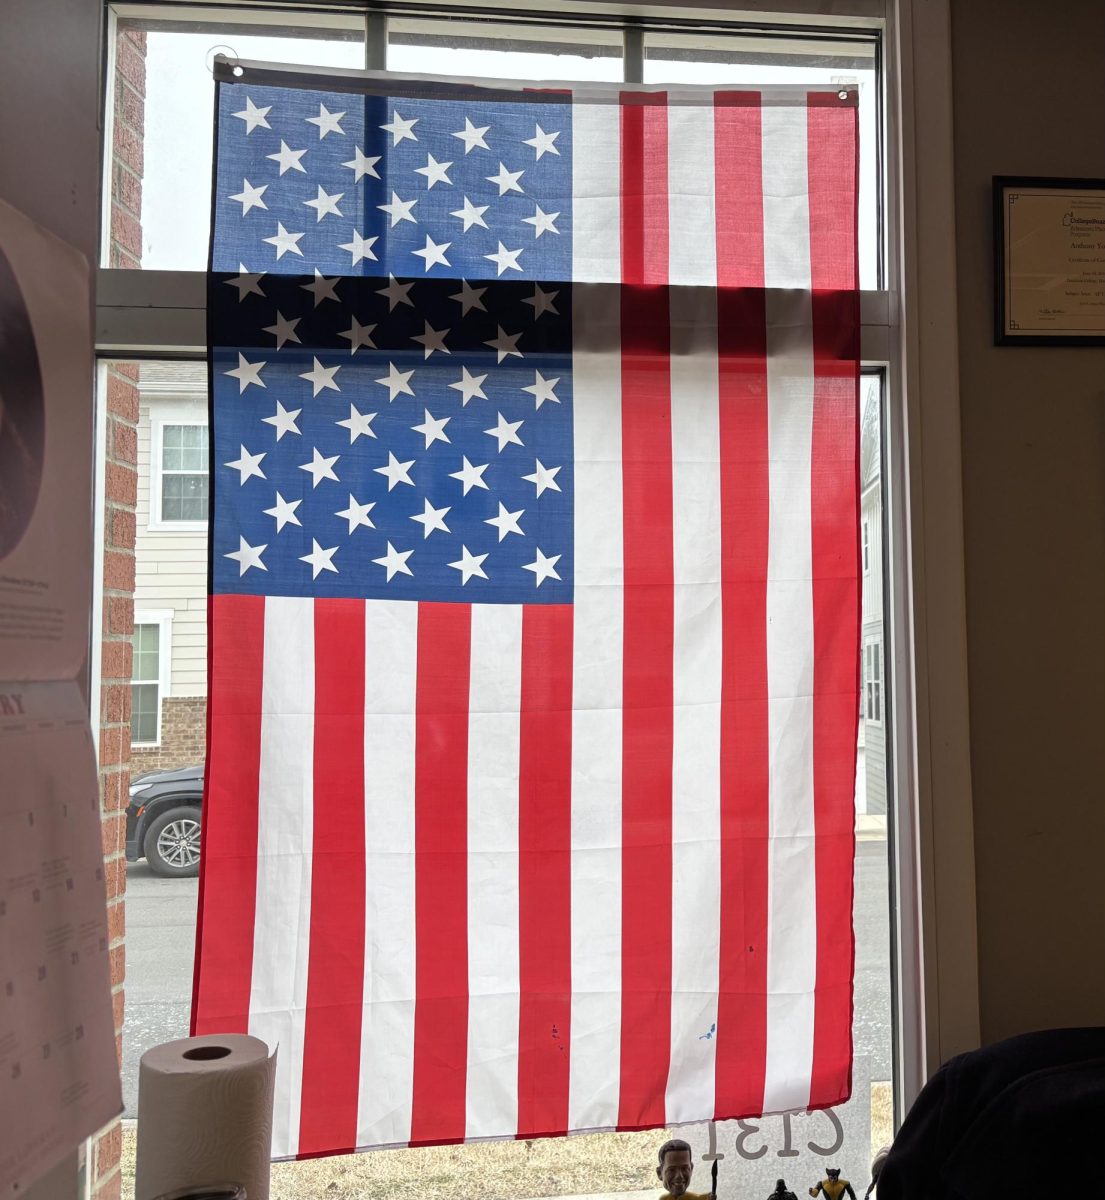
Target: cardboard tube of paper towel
(205,1115)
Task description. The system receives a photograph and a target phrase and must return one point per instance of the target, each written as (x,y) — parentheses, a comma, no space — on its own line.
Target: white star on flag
(400,129)
(322,288)
(250,196)
(283,330)
(326,121)
(399,210)
(247,465)
(357,514)
(542,222)
(542,142)
(506,522)
(283,420)
(505,343)
(433,252)
(469,565)
(358,423)
(320,467)
(470,476)
(505,432)
(432,518)
(320,377)
(360,247)
(358,335)
(472,137)
(543,567)
(362,166)
(246,373)
(325,204)
(543,478)
(468,297)
(469,386)
(507,181)
(432,339)
(542,389)
(247,284)
(289,158)
(395,561)
(320,559)
(284,512)
(397,382)
(284,241)
(247,556)
(471,214)
(254,117)
(396,471)
(505,259)
(432,428)
(397,293)
(542,302)
(434,171)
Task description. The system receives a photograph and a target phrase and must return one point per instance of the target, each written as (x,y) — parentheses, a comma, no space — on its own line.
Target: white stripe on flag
(493,740)
(696,748)
(281,936)
(692,219)
(595,1070)
(792,914)
(387,1030)
(596,190)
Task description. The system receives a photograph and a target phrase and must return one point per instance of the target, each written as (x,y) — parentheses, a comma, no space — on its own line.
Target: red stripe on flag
(833,167)
(228,875)
(441,873)
(741,1054)
(649,615)
(335,971)
(545,870)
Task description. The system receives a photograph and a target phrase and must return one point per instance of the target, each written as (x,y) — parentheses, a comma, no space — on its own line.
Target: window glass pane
(491,51)
(146,638)
(184,498)
(143,712)
(161,169)
(687,58)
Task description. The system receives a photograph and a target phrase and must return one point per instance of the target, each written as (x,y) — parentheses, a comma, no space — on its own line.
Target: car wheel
(172,843)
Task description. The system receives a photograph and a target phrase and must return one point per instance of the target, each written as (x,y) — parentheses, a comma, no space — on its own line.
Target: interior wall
(1030,100)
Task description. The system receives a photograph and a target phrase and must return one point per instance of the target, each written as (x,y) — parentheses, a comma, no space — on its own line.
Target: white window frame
(167,416)
(866,546)
(872,679)
(163,619)
(156,313)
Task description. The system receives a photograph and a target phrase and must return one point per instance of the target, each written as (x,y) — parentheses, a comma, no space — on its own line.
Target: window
(181,475)
(866,546)
(872,682)
(149,675)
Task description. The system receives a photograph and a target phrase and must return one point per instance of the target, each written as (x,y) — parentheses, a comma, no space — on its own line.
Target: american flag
(534,611)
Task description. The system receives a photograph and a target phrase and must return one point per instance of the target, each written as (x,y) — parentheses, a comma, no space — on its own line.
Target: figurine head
(833,1173)
(780,1186)
(676,1167)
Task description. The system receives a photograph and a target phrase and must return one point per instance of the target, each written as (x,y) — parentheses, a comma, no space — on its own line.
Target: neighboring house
(872,701)
(169,689)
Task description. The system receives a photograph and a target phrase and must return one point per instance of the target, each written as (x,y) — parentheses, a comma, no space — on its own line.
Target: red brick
(110,1188)
(119,570)
(115,706)
(115,745)
(109,1149)
(126,230)
(118,1005)
(122,528)
(122,394)
(115,877)
(113,834)
(120,615)
(129,370)
(128,189)
(116,661)
(118,958)
(119,1050)
(116,922)
(130,107)
(121,484)
(138,38)
(127,148)
(130,63)
(124,442)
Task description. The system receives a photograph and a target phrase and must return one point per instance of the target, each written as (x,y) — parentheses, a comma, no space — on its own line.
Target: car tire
(172,843)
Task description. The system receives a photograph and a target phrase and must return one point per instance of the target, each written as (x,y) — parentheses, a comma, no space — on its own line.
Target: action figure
(781,1193)
(834,1187)
(675,1169)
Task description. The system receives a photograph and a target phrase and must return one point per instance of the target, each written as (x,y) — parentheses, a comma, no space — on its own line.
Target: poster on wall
(59,1081)
(45,452)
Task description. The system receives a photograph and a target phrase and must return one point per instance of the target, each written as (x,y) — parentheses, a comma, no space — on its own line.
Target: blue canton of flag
(394,419)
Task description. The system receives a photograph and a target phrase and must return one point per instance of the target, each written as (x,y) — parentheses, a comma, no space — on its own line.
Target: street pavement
(161,918)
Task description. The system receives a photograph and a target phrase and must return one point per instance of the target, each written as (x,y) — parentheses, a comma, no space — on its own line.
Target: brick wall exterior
(183,737)
(120,494)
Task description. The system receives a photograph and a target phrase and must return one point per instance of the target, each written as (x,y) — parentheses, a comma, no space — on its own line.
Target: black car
(163,821)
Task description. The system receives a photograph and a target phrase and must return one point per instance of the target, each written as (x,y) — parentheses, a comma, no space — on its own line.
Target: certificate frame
(1019,320)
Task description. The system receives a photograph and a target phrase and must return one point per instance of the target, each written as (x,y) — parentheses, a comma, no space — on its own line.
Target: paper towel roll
(205,1115)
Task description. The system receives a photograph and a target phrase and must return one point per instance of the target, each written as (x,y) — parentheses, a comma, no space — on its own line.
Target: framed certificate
(1049,259)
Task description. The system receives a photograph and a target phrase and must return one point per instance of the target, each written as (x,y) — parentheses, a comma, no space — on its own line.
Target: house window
(872,682)
(866,547)
(182,474)
(149,676)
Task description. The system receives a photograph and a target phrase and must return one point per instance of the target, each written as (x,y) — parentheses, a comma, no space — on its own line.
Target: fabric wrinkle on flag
(534,603)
